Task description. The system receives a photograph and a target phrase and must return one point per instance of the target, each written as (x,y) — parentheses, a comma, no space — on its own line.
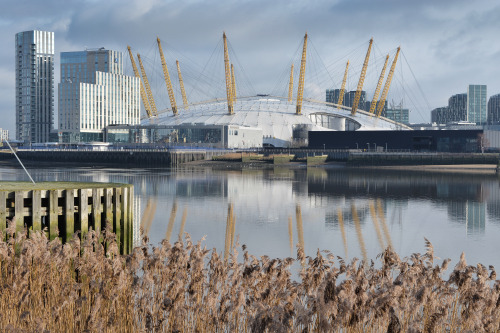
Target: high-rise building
(332,96)
(34,85)
(457,108)
(94,93)
(476,104)
(440,115)
(494,109)
(349,99)
(398,114)
(4,134)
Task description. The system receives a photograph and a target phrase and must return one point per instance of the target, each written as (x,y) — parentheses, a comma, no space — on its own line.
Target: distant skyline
(448,44)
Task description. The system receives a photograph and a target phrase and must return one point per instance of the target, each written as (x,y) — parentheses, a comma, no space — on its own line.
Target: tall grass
(183,287)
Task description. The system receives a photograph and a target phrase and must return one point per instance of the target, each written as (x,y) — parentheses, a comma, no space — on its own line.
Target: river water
(350,212)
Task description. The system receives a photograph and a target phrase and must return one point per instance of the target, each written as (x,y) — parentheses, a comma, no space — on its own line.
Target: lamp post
(357,146)
(374,146)
(368,145)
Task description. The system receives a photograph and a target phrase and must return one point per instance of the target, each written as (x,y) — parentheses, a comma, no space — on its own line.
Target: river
(350,212)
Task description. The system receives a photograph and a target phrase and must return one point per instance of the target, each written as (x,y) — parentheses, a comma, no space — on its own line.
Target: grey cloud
(448,43)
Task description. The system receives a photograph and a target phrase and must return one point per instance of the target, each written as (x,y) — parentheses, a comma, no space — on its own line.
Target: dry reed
(183,287)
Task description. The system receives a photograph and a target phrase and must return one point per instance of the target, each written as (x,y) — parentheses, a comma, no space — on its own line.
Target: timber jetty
(63,208)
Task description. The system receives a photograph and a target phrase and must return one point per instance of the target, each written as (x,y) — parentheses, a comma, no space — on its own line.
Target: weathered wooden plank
(69,213)
(131,217)
(108,207)
(96,208)
(124,224)
(19,210)
(53,214)
(36,210)
(83,210)
(117,194)
(3,211)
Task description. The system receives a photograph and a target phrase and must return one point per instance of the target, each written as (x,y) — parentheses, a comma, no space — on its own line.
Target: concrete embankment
(140,157)
(407,159)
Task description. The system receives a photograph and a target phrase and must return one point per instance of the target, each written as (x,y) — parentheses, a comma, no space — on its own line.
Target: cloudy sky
(447,44)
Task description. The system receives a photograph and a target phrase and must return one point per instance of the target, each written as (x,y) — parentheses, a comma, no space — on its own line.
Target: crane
(148,88)
(300,90)
(373,105)
(290,86)
(181,84)
(229,86)
(170,90)
(143,93)
(381,103)
(342,89)
(357,96)
(233,86)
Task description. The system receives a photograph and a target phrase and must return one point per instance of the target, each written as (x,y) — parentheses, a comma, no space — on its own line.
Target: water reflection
(353,213)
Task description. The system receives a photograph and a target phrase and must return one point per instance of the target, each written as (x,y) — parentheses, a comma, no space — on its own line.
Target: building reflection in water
(342,201)
(464,197)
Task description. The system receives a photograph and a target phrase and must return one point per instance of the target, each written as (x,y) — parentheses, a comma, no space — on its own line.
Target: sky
(446,44)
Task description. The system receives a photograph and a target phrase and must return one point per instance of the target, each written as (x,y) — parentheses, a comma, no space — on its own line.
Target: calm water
(455,212)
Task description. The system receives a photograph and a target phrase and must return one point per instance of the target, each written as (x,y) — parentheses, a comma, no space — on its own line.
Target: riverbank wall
(136,157)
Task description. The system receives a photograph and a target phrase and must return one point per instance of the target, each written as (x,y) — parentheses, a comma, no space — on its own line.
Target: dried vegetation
(183,287)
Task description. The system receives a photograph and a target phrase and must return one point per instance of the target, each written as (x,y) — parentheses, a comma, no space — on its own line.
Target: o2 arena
(261,120)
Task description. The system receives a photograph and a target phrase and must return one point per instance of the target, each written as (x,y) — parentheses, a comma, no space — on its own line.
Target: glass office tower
(34,57)
(476,104)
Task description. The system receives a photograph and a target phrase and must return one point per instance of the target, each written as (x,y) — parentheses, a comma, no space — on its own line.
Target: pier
(63,208)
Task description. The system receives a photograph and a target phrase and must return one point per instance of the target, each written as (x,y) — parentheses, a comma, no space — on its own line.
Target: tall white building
(94,93)
(34,85)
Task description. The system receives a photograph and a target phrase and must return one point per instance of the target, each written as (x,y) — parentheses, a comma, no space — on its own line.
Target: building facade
(332,96)
(457,108)
(34,58)
(476,104)
(440,115)
(398,114)
(494,109)
(94,93)
(4,134)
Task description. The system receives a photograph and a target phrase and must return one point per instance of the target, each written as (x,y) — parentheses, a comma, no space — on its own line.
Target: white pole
(12,150)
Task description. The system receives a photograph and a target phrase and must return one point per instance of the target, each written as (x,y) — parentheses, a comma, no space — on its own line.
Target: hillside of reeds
(183,287)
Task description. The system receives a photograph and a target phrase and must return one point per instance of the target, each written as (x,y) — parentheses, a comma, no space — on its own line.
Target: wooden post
(3,211)
(53,214)
(96,208)
(19,208)
(83,211)
(118,215)
(131,218)
(36,209)
(108,206)
(124,225)
(69,213)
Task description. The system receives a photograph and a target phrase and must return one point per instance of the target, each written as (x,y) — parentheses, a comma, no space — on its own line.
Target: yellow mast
(144,98)
(373,105)
(342,89)
(357,96)
(228,77)
(148,88)
(300,91)
(170,90)
(233,86)
(290,86)
(381,103)
(181,84)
